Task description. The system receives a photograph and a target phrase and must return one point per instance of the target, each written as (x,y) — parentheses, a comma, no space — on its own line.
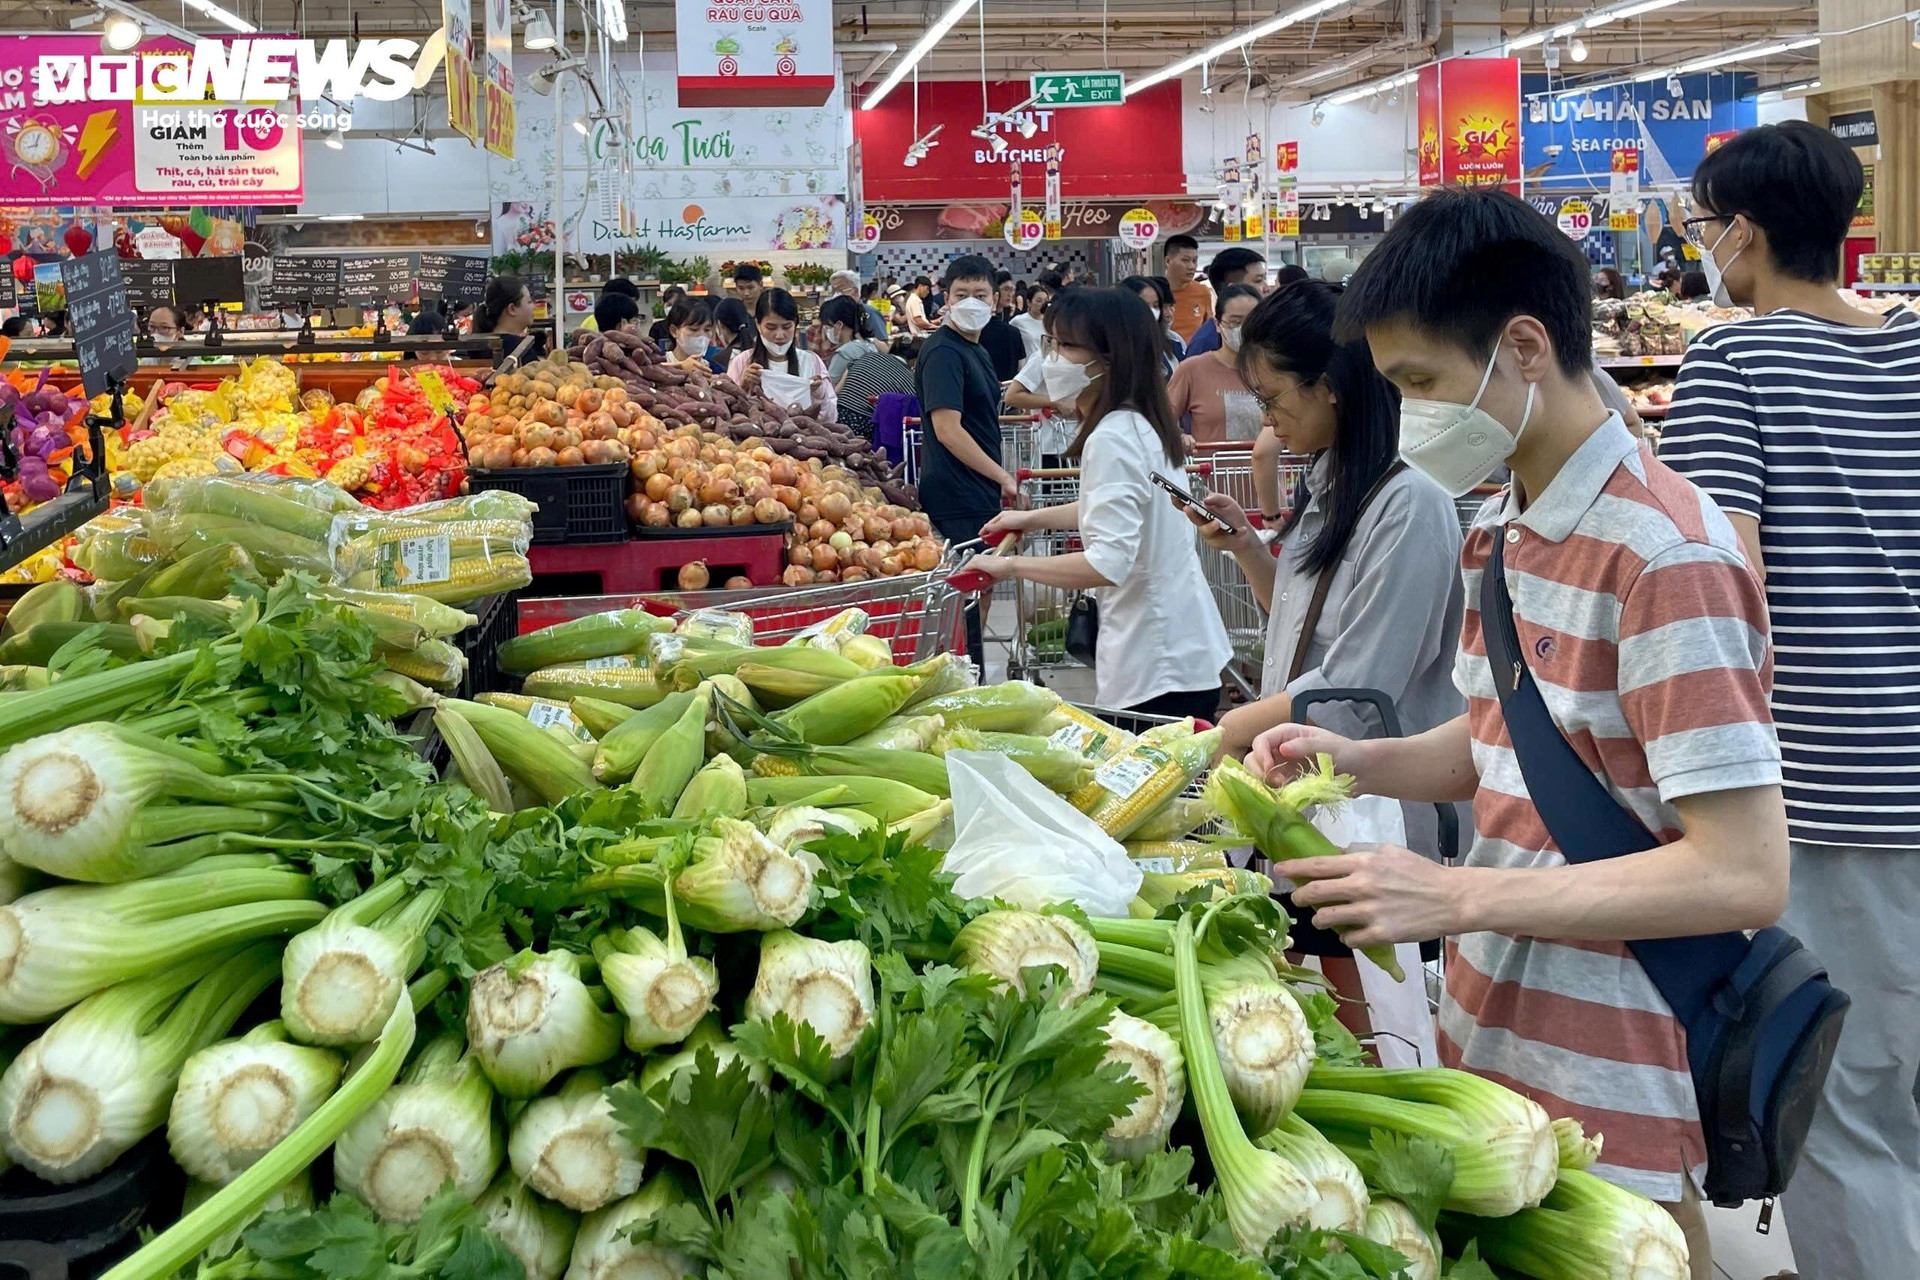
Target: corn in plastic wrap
(598,635)
(717,624)
(616,678)
(1082,731)
(1130,788)
(1013,707)
(545,712)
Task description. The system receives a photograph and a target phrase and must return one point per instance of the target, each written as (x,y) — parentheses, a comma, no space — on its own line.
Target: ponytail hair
(502,292)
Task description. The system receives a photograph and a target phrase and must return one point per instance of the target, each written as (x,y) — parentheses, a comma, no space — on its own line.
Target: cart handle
(968,581)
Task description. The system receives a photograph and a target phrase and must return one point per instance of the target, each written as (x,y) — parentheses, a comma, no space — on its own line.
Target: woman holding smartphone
(1161,642)
(1362,583)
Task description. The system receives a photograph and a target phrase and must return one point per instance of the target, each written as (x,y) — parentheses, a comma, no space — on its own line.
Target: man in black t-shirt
(962,484)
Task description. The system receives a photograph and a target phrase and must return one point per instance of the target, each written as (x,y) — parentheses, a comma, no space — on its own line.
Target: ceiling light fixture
(1319,114)
(539,31)
(1527,41)
(337,140)
(338,217)
(1279,22)
(121,33)
(226,18)
(580,127)
(921,47)
(1600,20)
(1732,55)
(1645,6)
(1028,127)
(1577,50)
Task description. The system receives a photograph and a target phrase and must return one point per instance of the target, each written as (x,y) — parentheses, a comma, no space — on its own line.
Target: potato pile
(554,413)
(687,393)
(690,478)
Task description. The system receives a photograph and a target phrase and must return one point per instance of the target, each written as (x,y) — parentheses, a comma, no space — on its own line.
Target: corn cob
(870,651)
(673,759)
(595,636)
(1012,707)
(43,639)
(1054,767)
(847,710)
(1085,732)
(932,827)
(246,503)
(526,751)
(548,713)
(475,764)
(599,715)
(719,790)
(942,674)
(778,687)
(274,551)
(438,620)
(24,679)
(903,733)
(366,536)
(694,667)
(468,578)
(833,633)
(626,744)
(1172,731)
(617,679)
(434,663)
(882,798)
(220,613)
(915,768)
(487,504)
(1159,889)
(1175,856)
(1126,791)
(1176,821)
(732,703)
(718,624)
(207,574)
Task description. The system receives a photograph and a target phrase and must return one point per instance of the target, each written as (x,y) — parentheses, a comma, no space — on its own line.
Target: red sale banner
(1468,112)
(61,143)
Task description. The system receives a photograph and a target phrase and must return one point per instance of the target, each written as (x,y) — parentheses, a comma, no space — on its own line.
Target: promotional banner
(817,222)
(499,78)
(1479,122)
(71,143)
(857,204)
(463,88)
(1230,222)
(1253,159)
(1623,190)
(770,54)
(1052,220)
(1139,228)
(1283,211)
(1106,153)
(987,220)
(1427,124)
(1671,133)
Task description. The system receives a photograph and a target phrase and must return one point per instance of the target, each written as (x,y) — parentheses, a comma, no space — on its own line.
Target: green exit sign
(1079,88)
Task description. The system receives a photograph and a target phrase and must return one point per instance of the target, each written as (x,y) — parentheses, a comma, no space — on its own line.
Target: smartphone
(1188,501)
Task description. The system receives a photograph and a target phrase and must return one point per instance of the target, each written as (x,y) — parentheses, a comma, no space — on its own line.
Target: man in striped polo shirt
(1646,632)
(1804,423)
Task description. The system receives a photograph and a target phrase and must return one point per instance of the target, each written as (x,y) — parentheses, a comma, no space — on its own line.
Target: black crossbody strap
(1585,821)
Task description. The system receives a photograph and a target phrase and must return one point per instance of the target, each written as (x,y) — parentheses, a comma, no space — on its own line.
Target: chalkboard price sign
(302,282)
(101,321)
(149,283)
(454,278)
(376,279)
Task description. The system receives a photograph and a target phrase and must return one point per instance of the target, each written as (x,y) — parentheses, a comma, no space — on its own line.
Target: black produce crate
(499,622)
(577,504)
(55,1232)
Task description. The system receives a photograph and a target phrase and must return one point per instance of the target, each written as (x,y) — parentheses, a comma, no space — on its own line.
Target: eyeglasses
(1693,228)
(1269,405)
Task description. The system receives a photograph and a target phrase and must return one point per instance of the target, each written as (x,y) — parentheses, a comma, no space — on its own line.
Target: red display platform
(640,565)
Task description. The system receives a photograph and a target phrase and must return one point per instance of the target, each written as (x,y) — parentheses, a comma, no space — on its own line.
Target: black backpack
(1761,1018)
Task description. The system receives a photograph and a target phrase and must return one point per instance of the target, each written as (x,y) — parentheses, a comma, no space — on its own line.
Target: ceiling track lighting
(1577,49)
(337,140)
(538,33)
(121,33)
(921,47)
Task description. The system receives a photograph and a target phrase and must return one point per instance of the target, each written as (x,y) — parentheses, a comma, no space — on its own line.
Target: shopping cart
(918,614)
(1469,504)
(1039,639)
(1019,443)
(1228,468)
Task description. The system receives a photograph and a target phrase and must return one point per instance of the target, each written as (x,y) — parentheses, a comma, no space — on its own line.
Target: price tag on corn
(609,662)
(546,714)
(412,561)
(1124,775)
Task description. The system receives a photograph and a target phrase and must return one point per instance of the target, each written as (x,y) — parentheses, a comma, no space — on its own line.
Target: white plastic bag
(790,390)
(1398,1010)
(1014,839)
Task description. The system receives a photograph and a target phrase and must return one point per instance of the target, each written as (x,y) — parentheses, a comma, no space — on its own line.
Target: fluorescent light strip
(1731,55)
(1527,41)
(921,47)
(232,21)
(1600,19)
(1278,22)
(1645,6)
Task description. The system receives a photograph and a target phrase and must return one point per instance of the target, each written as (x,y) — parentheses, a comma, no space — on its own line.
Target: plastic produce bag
(1013,839)
(717,624)
(789,390)
(437,549)
(1398,1010)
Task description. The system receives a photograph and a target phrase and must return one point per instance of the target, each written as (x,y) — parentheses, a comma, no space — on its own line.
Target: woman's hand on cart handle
(1007,527)
(1287,749)
(1243,537)
(988,567)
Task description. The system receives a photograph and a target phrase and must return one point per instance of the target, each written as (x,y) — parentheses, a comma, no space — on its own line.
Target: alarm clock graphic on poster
(39,147)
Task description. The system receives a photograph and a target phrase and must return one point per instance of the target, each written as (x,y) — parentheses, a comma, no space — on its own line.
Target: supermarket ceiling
(1353,42)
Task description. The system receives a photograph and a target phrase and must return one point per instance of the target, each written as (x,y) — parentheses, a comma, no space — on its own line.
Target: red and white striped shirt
(1646,632)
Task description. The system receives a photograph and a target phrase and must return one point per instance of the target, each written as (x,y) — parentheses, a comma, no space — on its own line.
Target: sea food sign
(1670,131)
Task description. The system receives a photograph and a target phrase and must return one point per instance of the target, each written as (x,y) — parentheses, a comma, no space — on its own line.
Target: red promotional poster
(1479,122)
(1286,157)
(1427,120)
(1129,151)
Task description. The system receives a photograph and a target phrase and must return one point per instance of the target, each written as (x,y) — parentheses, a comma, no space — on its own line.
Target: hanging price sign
(1139,228)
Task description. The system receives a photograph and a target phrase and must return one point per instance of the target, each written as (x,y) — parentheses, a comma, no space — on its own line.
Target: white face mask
(1064,379)
(777,348)
(1716,274)
(1458,445)
(970,315)
(691,344)
(1230,338)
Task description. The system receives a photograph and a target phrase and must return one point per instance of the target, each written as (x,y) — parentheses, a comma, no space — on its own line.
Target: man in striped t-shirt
(1646,632)
(1804,423)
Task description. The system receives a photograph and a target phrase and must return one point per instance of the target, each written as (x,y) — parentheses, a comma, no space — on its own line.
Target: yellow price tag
(435,389)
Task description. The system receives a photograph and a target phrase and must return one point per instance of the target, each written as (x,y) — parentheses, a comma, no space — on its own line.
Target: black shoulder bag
(1760,1015)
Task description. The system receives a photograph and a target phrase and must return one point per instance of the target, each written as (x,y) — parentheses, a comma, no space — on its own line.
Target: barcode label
(613,661)
(1163,866)
(416,561)
(1124,775)
(545,714)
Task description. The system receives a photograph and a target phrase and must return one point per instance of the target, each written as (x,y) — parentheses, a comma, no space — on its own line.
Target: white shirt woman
(1161,643)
